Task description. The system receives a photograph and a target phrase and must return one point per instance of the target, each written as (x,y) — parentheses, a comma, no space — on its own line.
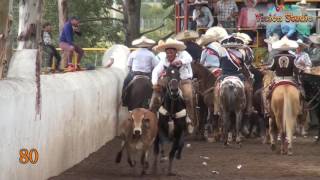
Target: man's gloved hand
(156,88)
(177,63)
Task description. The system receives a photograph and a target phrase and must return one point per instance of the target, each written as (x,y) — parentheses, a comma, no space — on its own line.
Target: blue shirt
(288,29)
(67,33)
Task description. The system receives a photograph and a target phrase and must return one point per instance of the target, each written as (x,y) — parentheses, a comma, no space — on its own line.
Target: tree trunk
(29,12)
(5,40)
(63,13)
(131,10)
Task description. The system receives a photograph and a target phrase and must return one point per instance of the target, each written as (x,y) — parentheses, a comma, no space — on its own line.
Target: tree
(63,13)
(30,15)
(5,40)
(131,12)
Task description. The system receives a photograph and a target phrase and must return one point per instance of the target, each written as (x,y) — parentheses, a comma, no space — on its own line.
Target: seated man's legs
(56,54)
(124,87)
(80,53)
(68,49)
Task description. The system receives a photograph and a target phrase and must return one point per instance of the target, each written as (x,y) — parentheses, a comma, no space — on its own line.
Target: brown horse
(284,110)
(205,94)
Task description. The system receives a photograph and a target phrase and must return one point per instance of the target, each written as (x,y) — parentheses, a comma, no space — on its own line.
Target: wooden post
(5,40)
(186,15)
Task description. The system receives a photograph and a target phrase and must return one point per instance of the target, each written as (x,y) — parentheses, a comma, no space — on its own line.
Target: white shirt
(302,61)
(185,69)
(47,38)
(142,60)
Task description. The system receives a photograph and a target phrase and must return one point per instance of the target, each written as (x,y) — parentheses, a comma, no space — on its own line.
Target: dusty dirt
(257,162)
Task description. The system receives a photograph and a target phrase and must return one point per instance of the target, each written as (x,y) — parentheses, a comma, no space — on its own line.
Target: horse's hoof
(131,163)
(273,147)
(143,173)
(290,152)
(171,174)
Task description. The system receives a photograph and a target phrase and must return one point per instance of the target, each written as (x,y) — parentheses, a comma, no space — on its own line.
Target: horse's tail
(287,113)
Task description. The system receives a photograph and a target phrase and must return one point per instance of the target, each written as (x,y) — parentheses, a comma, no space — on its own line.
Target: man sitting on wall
(67,45)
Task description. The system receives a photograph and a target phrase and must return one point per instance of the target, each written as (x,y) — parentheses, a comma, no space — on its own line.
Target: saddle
(216,72)
(234,79)
(275,84)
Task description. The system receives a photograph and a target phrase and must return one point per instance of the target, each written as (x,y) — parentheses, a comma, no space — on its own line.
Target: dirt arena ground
(204,160)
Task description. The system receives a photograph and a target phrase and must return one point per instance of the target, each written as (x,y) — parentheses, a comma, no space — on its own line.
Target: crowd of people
(247,18)
(67,45)
(222,53)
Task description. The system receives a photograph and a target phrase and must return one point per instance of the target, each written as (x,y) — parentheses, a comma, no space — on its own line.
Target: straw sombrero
(301,43)
(171,43)
(272,39)
(233,42)
(315,38)
(285,44)
(155,48)
(199,2)
(143,42)
(186,35)
(213,34)
(245,37)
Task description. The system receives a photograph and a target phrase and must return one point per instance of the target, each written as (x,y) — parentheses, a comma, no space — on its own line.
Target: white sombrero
(143,42)
(187,35)
(199,2)
(301,43)
(245,37)
(315,38)
(213,34)
(285,44)
(302,3)
(272,39)
(171,43)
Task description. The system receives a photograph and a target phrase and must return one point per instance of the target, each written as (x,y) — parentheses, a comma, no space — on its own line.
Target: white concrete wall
(79,114)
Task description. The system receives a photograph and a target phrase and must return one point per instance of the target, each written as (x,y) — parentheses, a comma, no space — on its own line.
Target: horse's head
(172,78)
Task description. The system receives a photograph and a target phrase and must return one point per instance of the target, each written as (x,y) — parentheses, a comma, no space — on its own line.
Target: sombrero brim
(315,39)
(143,42)
(289,45)
(199,3)
(189,35)
(303,44)
(206,39)
(239,46)
(177,46)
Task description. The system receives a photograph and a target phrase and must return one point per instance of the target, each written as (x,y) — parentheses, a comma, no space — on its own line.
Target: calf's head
(139,122)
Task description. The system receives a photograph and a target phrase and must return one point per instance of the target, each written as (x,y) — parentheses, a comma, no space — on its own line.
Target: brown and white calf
(138,134)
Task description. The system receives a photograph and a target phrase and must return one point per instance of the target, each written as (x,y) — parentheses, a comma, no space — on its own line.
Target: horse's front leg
(156,150)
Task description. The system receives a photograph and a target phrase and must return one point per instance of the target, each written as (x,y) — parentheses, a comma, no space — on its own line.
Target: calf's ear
(146,123)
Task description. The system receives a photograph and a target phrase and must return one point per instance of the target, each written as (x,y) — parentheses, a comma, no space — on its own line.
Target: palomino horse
(284,110)
(205,90)
(232,105)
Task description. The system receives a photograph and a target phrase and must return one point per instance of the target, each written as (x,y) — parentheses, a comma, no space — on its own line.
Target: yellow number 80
(26,156)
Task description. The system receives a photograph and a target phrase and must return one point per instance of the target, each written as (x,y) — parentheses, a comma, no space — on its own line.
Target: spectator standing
(302,60)
(247,18)
(67,44)
(315,49)
(227,10)
(48,45)
(272,27)
(202,14)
